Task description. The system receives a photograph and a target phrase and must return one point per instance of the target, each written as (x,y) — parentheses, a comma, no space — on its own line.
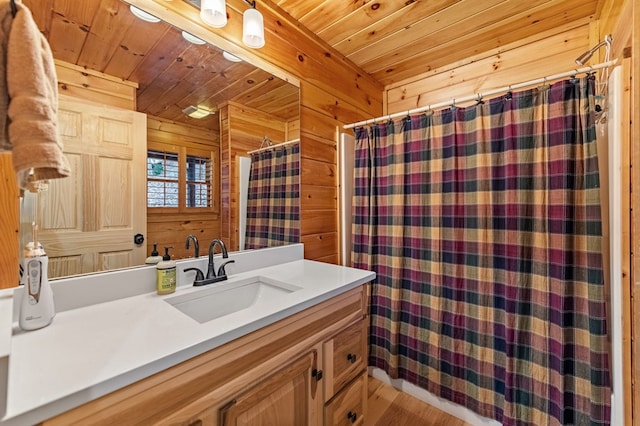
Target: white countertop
(92,350)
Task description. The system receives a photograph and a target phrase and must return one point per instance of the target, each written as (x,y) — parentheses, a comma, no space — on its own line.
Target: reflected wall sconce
(214,12)
(196,112)
(192,39)
(584,58)
(229,57)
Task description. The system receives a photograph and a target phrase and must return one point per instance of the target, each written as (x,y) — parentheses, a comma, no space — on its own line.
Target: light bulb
(214,13)
(253,28)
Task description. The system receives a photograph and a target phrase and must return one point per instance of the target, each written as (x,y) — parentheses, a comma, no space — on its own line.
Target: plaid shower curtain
(273,206)
(483,226)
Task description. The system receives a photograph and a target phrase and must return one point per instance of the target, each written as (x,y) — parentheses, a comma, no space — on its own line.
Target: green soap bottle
(166,274)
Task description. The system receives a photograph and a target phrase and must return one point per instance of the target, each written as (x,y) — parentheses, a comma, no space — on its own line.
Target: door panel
(87,221)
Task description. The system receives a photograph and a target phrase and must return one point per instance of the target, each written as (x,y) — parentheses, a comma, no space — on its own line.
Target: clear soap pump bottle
(166,274)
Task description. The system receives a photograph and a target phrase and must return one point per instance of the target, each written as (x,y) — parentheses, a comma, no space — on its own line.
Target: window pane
(162,194)
(162,179)
(162,165)
(198,181)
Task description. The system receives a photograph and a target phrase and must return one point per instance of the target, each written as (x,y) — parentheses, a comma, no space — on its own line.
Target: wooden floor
(390,407)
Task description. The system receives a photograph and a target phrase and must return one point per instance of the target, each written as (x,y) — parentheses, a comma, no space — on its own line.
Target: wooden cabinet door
(349,405)
(287,397)
(345,357)
(88,220)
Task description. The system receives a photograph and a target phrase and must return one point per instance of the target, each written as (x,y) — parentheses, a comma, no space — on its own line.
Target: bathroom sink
(219,300)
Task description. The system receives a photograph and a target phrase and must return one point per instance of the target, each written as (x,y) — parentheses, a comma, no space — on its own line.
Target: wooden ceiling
(171,72)
(397,39)
(393,40)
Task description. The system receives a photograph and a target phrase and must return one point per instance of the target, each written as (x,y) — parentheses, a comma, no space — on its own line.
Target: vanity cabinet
(306,369)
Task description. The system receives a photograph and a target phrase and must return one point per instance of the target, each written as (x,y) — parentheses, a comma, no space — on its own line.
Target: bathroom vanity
(296,354)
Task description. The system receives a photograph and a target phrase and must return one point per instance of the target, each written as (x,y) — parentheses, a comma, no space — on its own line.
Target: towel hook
(14,8)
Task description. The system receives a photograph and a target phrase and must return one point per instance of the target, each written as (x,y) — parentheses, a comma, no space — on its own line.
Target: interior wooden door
(87,221)
(285,398)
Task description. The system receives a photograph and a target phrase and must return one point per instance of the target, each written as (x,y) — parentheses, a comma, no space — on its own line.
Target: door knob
(138,239)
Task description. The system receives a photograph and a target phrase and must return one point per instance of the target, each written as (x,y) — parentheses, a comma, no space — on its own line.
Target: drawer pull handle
(352,416)
(351,358)
(317,374)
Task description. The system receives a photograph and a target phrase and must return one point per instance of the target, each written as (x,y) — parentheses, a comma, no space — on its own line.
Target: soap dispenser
(155,257)
(166,274)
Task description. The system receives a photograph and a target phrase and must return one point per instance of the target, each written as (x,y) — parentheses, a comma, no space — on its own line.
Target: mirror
(172,74)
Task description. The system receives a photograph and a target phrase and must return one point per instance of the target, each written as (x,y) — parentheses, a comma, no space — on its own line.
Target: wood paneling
(9,221)
(395,40)
(172,229)
(544,54)
(95,86)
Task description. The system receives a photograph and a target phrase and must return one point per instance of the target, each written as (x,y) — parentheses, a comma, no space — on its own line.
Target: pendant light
(252,27)
(214,12)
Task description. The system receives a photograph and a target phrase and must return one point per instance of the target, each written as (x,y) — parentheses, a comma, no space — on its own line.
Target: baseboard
(442,404)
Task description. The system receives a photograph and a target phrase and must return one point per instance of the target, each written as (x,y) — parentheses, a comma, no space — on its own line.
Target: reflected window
(180,180)
(162,179)
(198,181)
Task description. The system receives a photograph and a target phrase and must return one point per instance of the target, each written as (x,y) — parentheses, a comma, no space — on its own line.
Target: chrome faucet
(196,246)
(212,275)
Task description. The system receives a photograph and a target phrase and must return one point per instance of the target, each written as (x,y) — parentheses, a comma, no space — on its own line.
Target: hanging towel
(6,18)
(33,102)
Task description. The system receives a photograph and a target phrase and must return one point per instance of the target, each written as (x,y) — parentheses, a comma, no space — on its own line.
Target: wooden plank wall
(333,92)
(533,57)
(620,19)
(172,229)
(9,224)
(242,130)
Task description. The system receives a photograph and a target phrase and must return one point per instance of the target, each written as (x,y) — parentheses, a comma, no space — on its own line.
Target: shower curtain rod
(278,145)
(480,95)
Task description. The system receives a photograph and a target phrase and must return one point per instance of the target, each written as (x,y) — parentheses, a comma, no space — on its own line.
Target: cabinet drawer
(349,405)
(344,356)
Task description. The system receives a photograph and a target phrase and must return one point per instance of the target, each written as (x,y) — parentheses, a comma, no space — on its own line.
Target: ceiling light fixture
(196,111)
(229,57)
(141,14)
(252,27)
(214,12)
(192,39)
(582,59)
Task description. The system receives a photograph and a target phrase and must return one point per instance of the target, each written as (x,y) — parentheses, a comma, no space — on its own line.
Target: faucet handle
(221,270)
(199,274)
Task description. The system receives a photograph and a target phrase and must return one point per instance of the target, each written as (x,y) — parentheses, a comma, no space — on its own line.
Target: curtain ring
(479,100)
(509,94)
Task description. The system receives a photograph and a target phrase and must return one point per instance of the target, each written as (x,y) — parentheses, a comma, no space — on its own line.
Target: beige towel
(33,103)
(5,27)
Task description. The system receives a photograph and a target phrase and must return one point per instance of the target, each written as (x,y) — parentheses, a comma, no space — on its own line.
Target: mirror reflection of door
(87,222)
